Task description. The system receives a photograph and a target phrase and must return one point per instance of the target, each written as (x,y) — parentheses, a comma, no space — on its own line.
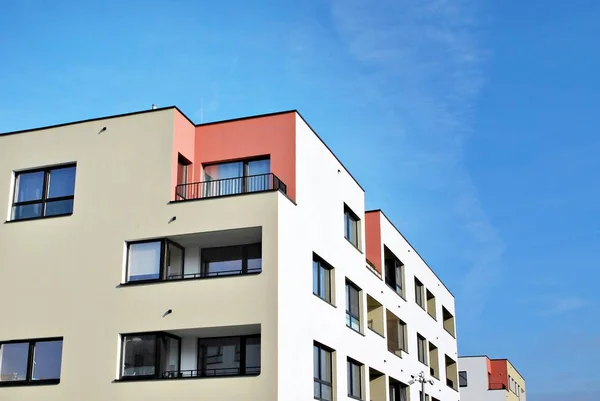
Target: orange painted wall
(274,136)
(184,138)
(499,372)
(373,239)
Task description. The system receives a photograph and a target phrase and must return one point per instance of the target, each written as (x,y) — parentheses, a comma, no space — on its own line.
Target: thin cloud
(564,305)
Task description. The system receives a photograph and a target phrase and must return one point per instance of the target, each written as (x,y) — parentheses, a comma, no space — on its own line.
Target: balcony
(229,186)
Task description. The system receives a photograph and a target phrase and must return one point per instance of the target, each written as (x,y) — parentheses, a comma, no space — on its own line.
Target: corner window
(422,349)
(44,193)
(462,378)
(419,293)
(351,226)
(150,356)
(352,306)
(322,278)
(154,260)
(323,376)
(394,272)
(354,379)
(30,362)
(229,356)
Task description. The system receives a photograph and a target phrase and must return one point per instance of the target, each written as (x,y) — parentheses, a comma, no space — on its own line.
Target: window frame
(29,381)
(420,293)
(323,265)
(157,356)
(422,341)
(244,252)
(244,185)
(349,314)
(350,364)
(242,343)
(162,274)
(463,378)
(350,216)
(398,268)
(319,380)
(45,190)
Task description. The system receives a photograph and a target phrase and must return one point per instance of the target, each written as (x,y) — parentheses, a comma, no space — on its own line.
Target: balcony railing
(217,372)
(214,274)
(229,186)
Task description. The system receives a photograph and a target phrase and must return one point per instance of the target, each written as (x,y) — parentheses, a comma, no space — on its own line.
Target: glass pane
(355,380)
(13,361)
(326,393)
(324,280)
(174,261)
(253,355)
(346,226)
(316,362)
(316,289)
(325,366)
(317,390)
(254,253)
(259,167)
(57,208)
(27,211)
(259,180)
(47,357)
(61,182)
(144,261)
(222,261)
(139,355)
(29,186)
(354,301)
(218,356)
(226,174)
(169,357)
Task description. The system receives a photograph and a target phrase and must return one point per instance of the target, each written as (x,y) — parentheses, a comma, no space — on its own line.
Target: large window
(419,293)
(351,227)
(354,379)
(44,192)
(398,390)
(154,260)
(394,275)
(237,177)
(396,334)
(322,272)
(421,349)
(30,362)
(322,368)
(352,306)
(229,356)
(231,260)
(150,355)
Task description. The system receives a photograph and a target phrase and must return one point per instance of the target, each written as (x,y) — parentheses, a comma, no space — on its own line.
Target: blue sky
(473,124)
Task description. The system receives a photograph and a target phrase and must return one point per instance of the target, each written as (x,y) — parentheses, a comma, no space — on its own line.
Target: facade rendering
(144,257)
(484,379)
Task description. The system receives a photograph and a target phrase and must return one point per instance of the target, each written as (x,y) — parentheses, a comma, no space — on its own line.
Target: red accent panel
(373,239)
(274,136)
(499,374)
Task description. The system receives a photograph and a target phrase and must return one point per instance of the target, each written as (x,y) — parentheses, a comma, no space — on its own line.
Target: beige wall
(516,376)
(61,276)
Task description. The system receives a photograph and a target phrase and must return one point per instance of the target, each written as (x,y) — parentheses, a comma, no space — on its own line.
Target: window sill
(38,218)
(356,331)
(134,379)
(324,300)
(354,397)
(379,334)
(16,383)
(147,282)
(354,246)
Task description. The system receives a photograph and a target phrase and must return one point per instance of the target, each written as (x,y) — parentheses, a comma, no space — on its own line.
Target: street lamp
(420,379)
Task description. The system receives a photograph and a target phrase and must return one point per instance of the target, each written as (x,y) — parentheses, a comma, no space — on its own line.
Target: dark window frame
(30,366)
(354,363)
(463,380)
(162,275)
(245,169)
(45,189)
(351,223)
(157,356)
(422,354)
(244,251)
(323,265)
(419,293)
(319,380)
(392,280)
(349,314)
(183,167)
(243,343)
(399,388)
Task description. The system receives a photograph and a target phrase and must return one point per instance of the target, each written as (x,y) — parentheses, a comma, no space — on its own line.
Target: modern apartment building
(485,379)
(144,257)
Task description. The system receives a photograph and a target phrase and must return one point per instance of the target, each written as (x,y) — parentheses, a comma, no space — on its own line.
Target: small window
(422,349)
(351,226)
(394,272)
(30,362)
(323,382)
(154,260)
(419,293)
(462,378)
(352,306)
(354,379)
(398,390)
(150,356)
(44,193)
(322,278)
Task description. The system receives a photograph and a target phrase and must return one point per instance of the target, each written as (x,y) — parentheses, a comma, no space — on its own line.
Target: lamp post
(420,379)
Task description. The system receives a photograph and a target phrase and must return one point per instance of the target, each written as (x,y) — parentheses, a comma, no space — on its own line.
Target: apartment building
(145,257)
(484,379)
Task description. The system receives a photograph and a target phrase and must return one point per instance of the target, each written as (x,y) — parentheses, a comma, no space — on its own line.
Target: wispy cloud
(422,60)
(563,305)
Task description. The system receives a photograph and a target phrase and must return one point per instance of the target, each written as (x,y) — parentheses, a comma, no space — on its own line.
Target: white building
(146,257)
(485,379)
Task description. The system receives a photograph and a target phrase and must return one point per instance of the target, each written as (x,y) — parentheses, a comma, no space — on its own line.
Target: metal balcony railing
(497,386)
(220,273)
(229,186)
(207,372)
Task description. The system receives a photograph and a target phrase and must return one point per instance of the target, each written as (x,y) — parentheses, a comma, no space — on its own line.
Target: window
(396,334)
(451,373)
(154,260)
(434,363)
(237,177)
(398,390)
(351,231)
(44,193)
(323,388)
(354,379)
(30,362)
(322,278)
(150,356)
(431,306)
(422,349)
(448,321)
(183,167)
(352,306)
(229,356)
(462,378)
(394,274)
(231,260)
(419,290)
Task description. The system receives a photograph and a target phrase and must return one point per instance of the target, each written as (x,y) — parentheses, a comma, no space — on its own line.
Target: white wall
(477,381)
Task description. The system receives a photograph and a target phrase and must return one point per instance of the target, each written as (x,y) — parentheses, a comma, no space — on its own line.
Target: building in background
(484,379)
(148,258)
